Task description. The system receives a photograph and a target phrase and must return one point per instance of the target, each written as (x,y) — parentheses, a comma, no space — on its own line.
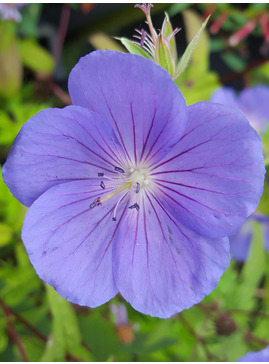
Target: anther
(114,219)
(100,174)
(96,202)
(134,206)
(137,187)
(102,185)
(118,169)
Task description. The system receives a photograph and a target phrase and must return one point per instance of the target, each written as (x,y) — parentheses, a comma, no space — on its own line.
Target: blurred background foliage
(36,56)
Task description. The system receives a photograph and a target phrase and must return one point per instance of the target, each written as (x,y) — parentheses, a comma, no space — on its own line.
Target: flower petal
(139,98)
(212,180)
(226,96)
(254,103)
(69,243)
(240,242)
(256,356)
(57,146)
(160,266)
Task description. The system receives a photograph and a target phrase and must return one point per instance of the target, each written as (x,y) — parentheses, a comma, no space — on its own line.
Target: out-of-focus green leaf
(30,17)
(36,57)
(185,58)
(177,8)
(102,41)
(65,331)
(3,333)
(99,335)
(200,56)
(33,347)
(17,283)
(133,48)
(252,272)
(234,61)
(10,63)
(197,89)
(5,234)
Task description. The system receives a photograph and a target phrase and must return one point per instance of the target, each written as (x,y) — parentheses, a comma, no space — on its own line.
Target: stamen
(100,174)
(137,187)
(96,202)
(134,206)
(102,185)
(118,169)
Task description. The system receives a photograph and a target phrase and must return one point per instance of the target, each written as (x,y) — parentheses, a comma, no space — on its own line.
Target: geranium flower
(256,356)
(132,191)
(241,241)
(10,11)
(253,101)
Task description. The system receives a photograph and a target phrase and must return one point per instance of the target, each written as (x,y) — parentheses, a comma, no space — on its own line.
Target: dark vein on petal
(134,136)
(116,124)
(147,138)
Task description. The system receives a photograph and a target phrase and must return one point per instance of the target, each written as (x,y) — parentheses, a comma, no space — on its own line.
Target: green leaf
(184,60)
(133,48)
(36,57)
(234,61)
(10,64)
(5,234)
(177,8)
(197,89)
(65,331)
(102,41)
(252,272)
(99,335)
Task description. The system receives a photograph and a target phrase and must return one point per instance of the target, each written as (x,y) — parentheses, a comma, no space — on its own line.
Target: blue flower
(132,191)
(258,356)
(253,101)
(10,12)
(241,241)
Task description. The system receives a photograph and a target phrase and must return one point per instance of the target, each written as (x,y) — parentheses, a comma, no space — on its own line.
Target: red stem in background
(264,22)
(64,20)
(242,33)
(60,93)
(215,27)
(12,332)
(235,75)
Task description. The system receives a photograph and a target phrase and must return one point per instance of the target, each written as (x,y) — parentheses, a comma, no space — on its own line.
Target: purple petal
(160,266)
(258,356)
(212,180)
(254,103)
(70,244)
(57,146)
(240,242)
(10,12)
(139,98)
(226,96)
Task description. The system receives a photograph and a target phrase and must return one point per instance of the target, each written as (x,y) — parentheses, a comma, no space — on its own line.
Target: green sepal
(184,60)
(133,48)
(167,30)
(164,54)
